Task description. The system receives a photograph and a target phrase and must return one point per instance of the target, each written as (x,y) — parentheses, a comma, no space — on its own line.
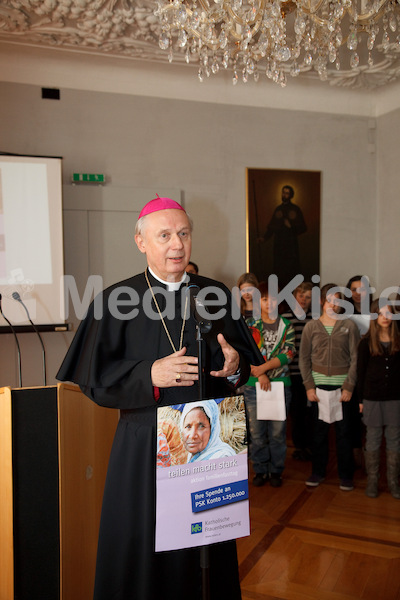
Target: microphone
(196,304)
(18,298)
(16,341)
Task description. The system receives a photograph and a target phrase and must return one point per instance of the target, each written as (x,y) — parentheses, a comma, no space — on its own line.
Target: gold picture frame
(283,227)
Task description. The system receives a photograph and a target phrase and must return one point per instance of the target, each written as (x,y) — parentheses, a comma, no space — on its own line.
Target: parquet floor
(320,544)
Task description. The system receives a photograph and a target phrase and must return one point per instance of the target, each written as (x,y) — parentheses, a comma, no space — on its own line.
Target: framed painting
(283,223)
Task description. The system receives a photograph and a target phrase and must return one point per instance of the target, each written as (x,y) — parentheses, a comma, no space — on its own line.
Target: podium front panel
(36,494)
(54,450)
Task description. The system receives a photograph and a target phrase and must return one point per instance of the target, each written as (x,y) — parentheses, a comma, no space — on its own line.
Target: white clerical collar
(172,286)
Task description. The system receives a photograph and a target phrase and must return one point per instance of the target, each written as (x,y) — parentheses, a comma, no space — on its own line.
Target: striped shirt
(298,326)
(334,380)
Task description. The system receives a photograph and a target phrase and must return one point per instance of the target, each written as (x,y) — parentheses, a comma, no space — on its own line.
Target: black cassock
(110,359)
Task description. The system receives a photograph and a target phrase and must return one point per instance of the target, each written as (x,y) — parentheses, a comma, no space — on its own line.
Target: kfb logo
(196,528)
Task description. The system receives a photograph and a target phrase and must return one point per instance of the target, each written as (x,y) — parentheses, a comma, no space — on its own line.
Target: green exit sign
(88,178)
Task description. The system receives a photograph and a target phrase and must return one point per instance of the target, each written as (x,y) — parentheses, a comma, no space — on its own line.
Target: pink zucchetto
(159,204)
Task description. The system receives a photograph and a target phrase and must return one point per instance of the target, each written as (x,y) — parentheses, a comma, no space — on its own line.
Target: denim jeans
(267,443)
(374,438)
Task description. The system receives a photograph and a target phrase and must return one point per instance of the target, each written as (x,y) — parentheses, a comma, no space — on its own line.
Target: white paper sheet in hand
(271,405)
(329,405)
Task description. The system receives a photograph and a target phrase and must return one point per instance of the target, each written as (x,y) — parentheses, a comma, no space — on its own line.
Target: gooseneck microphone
(18,298)
(199,310)
(17,343)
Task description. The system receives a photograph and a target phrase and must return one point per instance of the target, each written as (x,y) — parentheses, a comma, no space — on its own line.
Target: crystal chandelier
(280,38)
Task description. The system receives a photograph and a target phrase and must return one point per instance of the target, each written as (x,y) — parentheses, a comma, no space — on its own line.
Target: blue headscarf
(215,448)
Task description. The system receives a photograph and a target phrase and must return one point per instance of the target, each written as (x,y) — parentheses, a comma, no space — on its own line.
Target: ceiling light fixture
(280,38)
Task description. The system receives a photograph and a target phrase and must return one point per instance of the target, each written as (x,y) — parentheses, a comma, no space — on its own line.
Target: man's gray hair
(140,224)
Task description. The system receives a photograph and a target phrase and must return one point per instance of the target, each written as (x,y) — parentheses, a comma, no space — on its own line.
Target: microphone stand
(203,327)
(18,347)
(18,298)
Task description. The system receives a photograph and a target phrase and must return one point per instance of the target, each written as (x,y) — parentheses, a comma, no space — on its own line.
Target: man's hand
(175,370)
(231,363)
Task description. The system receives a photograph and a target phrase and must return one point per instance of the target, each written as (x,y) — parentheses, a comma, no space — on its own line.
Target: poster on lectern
(201,474)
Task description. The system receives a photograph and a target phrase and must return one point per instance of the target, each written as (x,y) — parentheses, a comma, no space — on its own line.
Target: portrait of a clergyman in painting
(283,223)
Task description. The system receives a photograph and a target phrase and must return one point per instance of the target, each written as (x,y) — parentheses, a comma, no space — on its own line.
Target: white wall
(388,205)
(202,149)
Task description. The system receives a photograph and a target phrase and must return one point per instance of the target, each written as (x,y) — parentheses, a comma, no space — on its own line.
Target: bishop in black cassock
(128,358)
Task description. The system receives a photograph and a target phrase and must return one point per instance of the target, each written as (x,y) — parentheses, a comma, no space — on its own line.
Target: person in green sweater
(275,338)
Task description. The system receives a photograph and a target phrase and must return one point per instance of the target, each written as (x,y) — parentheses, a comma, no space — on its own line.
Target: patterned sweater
(284,350)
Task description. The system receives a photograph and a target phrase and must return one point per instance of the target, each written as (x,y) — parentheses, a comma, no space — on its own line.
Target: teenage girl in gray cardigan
(328,361)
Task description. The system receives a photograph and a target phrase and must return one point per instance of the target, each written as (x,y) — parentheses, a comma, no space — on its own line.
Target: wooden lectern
(54,449)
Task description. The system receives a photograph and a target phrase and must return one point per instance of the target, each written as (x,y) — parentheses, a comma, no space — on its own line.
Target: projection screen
(31,239)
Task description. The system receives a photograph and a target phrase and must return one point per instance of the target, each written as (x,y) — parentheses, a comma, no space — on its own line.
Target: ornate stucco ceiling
(128,28)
